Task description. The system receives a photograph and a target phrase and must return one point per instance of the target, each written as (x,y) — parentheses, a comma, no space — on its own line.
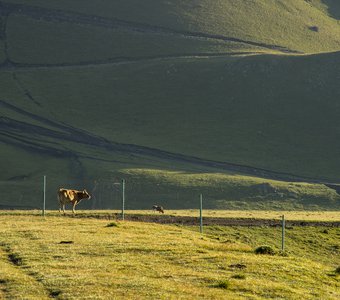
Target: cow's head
(86,195)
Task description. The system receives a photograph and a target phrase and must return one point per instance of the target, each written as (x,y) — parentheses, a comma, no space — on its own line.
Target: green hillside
(248,90)
(284,23)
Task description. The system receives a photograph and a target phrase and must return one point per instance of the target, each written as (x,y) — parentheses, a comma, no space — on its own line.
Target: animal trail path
(63,132)
(115,61)
(53,15)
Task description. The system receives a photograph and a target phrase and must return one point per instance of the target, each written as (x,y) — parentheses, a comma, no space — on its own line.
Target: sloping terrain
(241,89)
(65,258)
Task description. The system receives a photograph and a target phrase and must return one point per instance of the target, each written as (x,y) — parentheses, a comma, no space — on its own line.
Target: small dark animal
(314,28)
(158,208)
(71,196)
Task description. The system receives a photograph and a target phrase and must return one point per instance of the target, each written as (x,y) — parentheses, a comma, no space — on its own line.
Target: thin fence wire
(106,193)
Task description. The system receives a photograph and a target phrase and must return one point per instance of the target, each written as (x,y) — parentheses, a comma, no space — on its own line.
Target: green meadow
(285,23)
(235,100)
(68,258)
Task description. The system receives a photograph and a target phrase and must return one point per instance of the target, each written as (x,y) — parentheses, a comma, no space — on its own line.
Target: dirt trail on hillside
(207,221)
(10,65)
(54,15)
(16,132)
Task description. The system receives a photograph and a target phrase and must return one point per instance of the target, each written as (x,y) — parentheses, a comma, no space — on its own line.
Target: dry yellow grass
(257,214)
(70,258)
(329,216)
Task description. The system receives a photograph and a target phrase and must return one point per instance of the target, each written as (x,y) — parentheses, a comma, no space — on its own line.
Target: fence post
(201,215)
(44,197)
(283,233)
(123,199)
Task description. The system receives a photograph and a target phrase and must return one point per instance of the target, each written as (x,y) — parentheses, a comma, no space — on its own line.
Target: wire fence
(143,193)
(106,193)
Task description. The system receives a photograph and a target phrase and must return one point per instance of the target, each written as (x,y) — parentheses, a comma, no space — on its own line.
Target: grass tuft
(55,293)
(238,266)
(112,224)
(265,250)
(15,259)
(223,284)
(239,276)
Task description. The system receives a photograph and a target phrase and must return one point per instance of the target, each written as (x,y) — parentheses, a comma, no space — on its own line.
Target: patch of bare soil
(207,221)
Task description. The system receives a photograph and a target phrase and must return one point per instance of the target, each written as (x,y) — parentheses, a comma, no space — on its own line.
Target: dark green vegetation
(265,250)
(233,99)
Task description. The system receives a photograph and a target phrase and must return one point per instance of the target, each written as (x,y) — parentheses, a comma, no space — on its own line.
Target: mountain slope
(270,112)
(286,23)
(91,92)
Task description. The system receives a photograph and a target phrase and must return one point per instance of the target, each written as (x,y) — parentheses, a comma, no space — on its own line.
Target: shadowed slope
(269,112)
(169,84)
(258,22)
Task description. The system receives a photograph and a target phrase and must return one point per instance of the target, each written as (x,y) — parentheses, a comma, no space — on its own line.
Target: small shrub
(15,259)
(335,273)
(112,224)
(55,293)
(239,276)
(223,284)
(265,250)
(238,266)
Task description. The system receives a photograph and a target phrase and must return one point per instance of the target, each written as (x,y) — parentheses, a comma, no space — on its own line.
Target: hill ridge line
(10,65)
(48,14)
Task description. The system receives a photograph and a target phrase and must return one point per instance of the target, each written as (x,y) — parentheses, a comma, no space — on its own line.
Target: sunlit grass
(258,214)
(271,22)
(140,260)
(327,216)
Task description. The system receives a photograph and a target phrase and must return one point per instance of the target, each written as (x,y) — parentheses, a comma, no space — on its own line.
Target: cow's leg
(61,206)
(74,207)
(64,208)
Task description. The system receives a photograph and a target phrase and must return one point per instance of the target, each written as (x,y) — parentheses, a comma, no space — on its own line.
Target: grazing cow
(158,208)
(71,196)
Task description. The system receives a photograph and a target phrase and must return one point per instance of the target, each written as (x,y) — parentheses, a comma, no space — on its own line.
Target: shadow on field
(189,221)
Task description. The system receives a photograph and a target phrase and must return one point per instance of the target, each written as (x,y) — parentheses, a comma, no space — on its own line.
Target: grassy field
(174,190)
(314,216)
(253,214)
(68,258)
(63,41)
(268,22)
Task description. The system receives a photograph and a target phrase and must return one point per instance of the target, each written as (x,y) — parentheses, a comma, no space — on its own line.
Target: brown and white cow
(158,208)
(71,196)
